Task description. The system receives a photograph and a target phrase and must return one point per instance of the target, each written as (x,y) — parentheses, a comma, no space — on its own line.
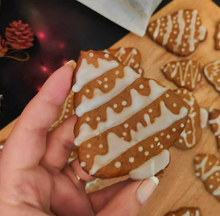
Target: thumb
(130,199)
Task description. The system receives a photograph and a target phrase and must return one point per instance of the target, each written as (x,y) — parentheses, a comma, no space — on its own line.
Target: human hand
(34,177)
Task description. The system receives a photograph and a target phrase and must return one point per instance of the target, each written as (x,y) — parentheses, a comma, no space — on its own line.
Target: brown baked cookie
(212,73)
(129,56)
(214,122)
(184,73)
(197,119)
(180,33)
(217,37)
(186,211)
(65,111)
(207,168)
(125,122)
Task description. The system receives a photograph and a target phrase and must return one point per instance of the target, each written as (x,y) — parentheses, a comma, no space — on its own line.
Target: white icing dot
(176,26)
(173,65)
(183,49)
(188,20)
(182,125)
(98,118)
(156,139)
(106,79)
(174,105)
(188,16)
(189,75)
(167,95)
(171,40)
(197,174)
(152,145)
(124,134)
(83,164)
(212,177)
(106,86)
(217,174)
(161,34)
(168,136)
(150,29)
(69,105)
(146,153)
(197,158)
(218,180)
(158,144)
(175,32)
(187,12)
(162,134)
(140,70)
(189,132)
(89,145)
(99,82)
(141,86)
(162,19)
(150,110)
(173,129)
(140,148)
(88,156)
(178,91)
(210,163)
(115,105)
(184,44)
(87,119)
(218,80)
(198,23)
(188,121)
(210,186)
(161,146)
(126,125)
(91,54)
(106,55)
(124,103)
(66,116)
(67,110)
(117,164)
(163,24)
(186,36)
(116,72)
(152,24)
(180,140)
(87,90)
(131,159)
(185,91)
(132,60)
(100,146)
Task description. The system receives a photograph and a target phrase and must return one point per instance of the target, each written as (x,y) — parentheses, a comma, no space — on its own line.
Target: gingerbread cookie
(184,73)
(214,122)
(129,56)
(179,33)
(125,122)
(197,119)
(186,211)
(217,37)
(207,168)
(212,73)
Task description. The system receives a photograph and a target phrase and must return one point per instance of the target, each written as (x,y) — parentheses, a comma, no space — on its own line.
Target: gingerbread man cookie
(214,122)
(179,33)
(125,122)
(207,168)
(212,73)
(186,211)
(197,119)
(129,56)
(184,73)
(217,37)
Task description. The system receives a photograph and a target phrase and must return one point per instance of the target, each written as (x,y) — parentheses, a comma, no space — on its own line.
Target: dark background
(61,29)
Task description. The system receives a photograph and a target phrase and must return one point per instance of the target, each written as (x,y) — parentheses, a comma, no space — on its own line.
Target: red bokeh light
(39,88)
(44,68)
(41,35)
(62,45)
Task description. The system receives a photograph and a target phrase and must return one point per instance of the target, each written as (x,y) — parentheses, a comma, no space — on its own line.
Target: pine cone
(3,46)
(19,35)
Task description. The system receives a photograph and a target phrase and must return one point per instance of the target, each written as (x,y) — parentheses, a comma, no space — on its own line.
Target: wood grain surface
(179,186)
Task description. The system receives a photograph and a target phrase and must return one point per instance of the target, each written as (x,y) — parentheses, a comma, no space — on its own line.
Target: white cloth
(133,15)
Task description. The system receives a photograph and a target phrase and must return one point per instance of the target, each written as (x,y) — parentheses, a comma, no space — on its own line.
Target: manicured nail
(71,63)
(146,189)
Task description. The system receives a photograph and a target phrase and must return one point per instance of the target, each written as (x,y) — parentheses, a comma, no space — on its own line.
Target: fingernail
(71,63)
(146,189)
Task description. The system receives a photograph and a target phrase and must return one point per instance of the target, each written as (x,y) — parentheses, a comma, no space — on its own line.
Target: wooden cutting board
(178,184)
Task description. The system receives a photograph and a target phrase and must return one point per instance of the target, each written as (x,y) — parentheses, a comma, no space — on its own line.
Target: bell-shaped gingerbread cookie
(180,33)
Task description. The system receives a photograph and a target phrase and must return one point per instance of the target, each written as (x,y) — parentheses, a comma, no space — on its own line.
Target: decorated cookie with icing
(65,111)
(212,73)
(179,33)
(214,122)
(197,119)
(207,168)
(217,37)
(186,211)
(125,122)
(129,56)
(184,73)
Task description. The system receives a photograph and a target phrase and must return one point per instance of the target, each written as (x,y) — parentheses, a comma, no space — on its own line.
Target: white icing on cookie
(157,29)
(88,72)
(117,146)
(100,98)
(138,102)
(192,27)
(168,30)
(216,121)
(203,117)
(151,167)
(216,192)
(120,53)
